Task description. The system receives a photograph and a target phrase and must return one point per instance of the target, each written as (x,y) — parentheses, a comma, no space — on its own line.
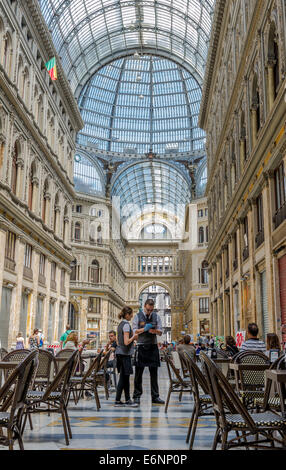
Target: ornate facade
(38,124)
(243,113)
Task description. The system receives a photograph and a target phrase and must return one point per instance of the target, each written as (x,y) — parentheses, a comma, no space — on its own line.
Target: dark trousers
(138,382)
(123,384)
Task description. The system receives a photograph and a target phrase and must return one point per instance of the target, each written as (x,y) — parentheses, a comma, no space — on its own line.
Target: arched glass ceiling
(134,103)
(142,185)
(89,33)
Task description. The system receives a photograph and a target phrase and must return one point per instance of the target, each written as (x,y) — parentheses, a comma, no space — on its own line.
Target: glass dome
(139,102)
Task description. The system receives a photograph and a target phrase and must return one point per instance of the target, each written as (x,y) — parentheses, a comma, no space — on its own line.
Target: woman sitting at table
(231,348)
(273,347)
(73,343)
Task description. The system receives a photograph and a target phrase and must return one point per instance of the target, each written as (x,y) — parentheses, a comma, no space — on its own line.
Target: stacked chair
(177,383)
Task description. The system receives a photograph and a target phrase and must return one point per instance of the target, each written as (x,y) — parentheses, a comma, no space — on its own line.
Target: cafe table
(278,377)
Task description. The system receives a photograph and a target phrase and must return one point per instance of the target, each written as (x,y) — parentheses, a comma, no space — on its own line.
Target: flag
(51,67)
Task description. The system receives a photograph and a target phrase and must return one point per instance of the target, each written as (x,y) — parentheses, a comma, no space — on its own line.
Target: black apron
(147,355)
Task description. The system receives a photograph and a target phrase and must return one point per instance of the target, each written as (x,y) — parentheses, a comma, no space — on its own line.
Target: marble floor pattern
(145,428)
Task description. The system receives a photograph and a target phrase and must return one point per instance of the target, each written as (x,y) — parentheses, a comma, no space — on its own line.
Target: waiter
(147,325)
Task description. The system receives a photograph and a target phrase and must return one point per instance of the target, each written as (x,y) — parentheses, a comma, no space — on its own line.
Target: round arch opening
(162,301)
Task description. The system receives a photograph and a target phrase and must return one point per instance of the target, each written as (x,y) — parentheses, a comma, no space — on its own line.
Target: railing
(280,215)
(28,273)
(259,239)
(245,253)
(42,279)
(9,264)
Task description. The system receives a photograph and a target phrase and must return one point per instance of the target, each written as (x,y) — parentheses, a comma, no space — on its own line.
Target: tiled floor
(146,427)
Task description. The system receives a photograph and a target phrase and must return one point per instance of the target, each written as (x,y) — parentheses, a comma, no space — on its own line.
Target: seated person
(253,343)
(186,346)
(111,345)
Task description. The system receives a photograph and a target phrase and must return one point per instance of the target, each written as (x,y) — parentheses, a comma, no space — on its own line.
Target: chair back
(61,381)
(14,391)
(46,360)
(63,354)
(94,366)
(3,353)
(18,355)
(196,376)
(251,379)
(223,396)
(173,372)
(104,361)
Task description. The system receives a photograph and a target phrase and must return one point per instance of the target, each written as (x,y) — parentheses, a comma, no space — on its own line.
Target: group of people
(35,341)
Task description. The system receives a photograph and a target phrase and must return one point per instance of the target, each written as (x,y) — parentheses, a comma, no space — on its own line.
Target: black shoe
(132,403)
(136,400)
(158,401)
(119,403)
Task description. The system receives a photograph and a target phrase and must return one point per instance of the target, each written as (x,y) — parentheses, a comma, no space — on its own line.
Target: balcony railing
(259,239)
(280,215)
(9,264)
(42,279)
(28,273)
(245,253)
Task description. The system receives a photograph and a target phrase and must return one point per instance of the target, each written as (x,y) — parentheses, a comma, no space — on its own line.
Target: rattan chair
(258,429)
(101,376)
(271,402)
(46,366)
(177,383)
(3,353)
(12,398)
(202,399)
(78,385)
(18,355)
(55,398)
(250,384)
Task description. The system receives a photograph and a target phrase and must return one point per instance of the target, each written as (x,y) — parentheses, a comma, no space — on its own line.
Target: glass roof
(89,33)
(143,185)
(133,104)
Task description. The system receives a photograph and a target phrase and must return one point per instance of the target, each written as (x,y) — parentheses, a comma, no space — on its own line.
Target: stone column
(83,317)
(17,292)
(20,178)
(57,221)
(47,220)
(2,257)
(267,221)
(35,264)
(254,124)
(271,84)
(104,321)
(35,200)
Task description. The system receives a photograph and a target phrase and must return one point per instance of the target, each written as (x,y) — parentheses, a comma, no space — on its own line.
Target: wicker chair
(202,401)
(178,384)
(271,402)
(18,355)
(101,376)
(88,382)
(3,353)
(250,383)
(43,374)
(12,398)
(259,427)
(55,398)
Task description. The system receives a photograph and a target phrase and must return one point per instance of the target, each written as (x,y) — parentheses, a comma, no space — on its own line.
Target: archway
(162,301)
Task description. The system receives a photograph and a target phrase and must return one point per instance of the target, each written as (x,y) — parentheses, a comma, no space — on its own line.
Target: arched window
(201,235)
(14,176)
(32,175)
(45,204)
(94,272)
(203,273)
(7,54)
(99,234)
(273,64)
(56,215)
(255,108)
(77,234)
